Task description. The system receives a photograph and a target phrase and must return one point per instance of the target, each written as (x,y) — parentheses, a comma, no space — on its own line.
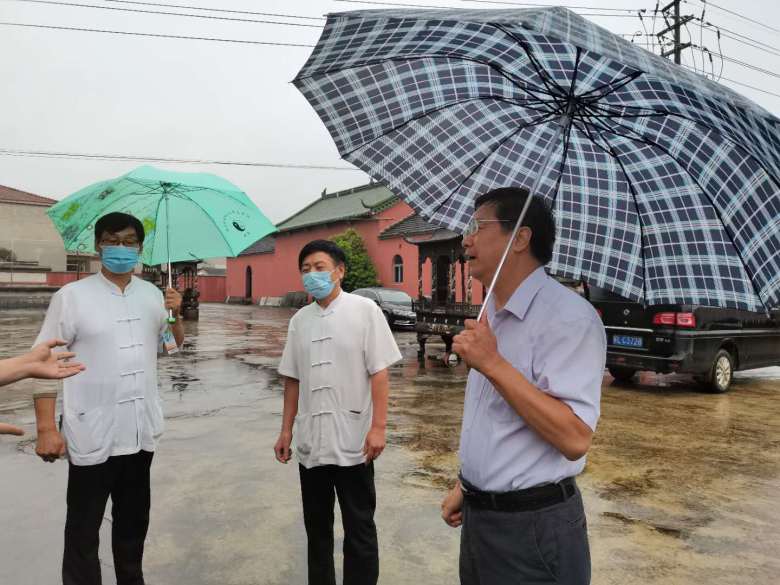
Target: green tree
(360,269)
(7,255)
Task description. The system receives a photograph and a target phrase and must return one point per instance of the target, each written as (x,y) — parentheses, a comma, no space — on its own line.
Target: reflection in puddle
(681,486)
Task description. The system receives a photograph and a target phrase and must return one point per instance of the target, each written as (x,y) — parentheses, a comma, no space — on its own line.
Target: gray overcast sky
(85,92)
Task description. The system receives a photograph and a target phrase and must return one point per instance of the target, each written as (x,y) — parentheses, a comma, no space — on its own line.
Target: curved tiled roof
(266,245)
(348,204)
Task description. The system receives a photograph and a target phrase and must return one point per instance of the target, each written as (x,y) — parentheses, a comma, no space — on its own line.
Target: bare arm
(49,445)
(375,440)
(380,389)
(40,362)
(177,329)
(289,411)
(12,370)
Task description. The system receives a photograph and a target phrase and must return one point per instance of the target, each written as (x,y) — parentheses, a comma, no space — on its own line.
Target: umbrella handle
(171,319)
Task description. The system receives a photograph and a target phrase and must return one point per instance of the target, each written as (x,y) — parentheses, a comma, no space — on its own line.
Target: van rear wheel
(719,378)
(622,374)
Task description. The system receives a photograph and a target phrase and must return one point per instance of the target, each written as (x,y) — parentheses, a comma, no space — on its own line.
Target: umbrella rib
(435,111)
(699,123)
(611,151)
(643,140)
(514,81)
(552,87)
(495,149)
(156,216)
(613,87)
(149,188)
(207,214)
(567,134)
(98,214)
(574,74)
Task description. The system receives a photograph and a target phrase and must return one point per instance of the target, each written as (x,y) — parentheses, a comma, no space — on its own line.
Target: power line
(753,87)
(738,62)
(119,157)
(737,14)
(711,26)
(224,10)
(406,5)
(145,11)
(550,5)
(154,35)
(717,30)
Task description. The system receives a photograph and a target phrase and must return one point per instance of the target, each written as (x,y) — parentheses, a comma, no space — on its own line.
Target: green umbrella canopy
(186,216)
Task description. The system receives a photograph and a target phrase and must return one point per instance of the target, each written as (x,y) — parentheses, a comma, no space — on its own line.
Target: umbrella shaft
(547,157)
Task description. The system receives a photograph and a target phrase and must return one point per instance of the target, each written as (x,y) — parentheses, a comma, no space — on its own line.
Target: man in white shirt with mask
(335,365)
(111,413)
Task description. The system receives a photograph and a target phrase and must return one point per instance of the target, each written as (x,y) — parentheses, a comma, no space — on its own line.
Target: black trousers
(126,480)
(354,487)
(541,547)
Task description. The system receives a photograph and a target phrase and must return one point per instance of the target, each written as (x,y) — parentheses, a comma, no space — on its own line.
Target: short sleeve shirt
(333,352)
(112,407)
(556,340)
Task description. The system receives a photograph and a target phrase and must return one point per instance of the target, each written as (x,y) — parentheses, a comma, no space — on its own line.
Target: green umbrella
(186,216)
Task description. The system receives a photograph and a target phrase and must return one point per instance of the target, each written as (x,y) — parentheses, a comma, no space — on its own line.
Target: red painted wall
(274,275)
(63,278)
(212,289)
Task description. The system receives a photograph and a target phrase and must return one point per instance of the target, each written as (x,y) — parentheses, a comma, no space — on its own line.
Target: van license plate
(627,340)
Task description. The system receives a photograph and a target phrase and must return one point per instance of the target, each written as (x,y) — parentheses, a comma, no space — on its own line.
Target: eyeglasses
(472,227)
(127,243)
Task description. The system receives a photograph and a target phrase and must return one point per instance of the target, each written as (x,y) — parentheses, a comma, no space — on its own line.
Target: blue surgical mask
(318,284)
(119,259)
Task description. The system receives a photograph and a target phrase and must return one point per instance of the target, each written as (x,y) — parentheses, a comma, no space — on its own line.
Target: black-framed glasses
(127,243)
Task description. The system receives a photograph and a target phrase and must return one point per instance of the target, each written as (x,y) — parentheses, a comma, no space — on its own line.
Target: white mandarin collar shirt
(556,340)
(113,407)
(333,352)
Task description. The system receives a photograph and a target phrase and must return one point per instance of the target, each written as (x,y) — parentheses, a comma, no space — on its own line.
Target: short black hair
(331,249)
(509,203)
(115,222)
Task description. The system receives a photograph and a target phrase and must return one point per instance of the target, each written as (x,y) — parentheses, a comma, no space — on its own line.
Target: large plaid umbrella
(664,184)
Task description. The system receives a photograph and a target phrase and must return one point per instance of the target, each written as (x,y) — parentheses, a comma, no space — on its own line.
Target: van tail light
(664,319)
(601,313)
(687,320)
(684,320)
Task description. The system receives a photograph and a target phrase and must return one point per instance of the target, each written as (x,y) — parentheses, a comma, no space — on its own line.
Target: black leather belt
(525,500)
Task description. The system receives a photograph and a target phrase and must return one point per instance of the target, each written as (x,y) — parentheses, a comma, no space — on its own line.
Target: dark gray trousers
(526,548)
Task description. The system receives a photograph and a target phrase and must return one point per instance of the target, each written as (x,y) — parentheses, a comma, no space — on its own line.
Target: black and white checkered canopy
(664,184)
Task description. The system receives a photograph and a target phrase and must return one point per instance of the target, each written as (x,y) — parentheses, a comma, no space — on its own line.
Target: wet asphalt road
(681,487)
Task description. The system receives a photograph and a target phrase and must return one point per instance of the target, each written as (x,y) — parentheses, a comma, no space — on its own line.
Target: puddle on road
(681,486)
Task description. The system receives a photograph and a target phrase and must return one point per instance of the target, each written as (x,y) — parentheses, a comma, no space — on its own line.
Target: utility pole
(678,23)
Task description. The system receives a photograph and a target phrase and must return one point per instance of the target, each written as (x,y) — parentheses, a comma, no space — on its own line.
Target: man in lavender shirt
(532,404)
